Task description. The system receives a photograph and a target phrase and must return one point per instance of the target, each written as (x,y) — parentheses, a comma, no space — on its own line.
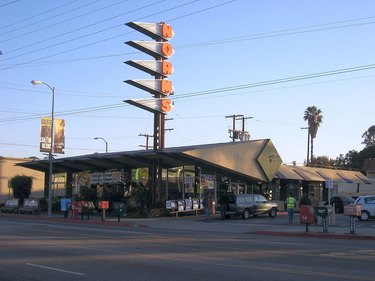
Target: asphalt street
(39,248)
(188,248)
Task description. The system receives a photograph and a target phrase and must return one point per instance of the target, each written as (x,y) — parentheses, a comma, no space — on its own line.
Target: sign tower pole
(160,88)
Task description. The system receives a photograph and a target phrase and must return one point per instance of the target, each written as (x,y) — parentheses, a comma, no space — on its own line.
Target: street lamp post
(50,157)
(106,143)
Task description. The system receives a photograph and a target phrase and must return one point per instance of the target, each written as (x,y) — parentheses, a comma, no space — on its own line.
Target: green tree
(353,160)
(314,118)
(21,186)
(323,161)
(369,137)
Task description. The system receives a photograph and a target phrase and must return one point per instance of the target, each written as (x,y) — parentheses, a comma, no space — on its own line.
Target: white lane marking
(55,269)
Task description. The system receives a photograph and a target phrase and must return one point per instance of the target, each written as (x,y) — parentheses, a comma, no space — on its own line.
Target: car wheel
(364,216)
(246,214)
(273,213)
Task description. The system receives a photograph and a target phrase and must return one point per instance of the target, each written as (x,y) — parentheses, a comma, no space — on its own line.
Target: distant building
(8,170)
(322,181)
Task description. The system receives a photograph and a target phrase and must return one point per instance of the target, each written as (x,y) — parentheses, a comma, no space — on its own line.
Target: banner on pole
(59,135)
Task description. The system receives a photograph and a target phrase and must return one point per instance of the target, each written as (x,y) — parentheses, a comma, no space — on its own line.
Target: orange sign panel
(154,30)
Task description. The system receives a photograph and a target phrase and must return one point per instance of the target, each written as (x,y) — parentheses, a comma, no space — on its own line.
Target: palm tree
(314,118)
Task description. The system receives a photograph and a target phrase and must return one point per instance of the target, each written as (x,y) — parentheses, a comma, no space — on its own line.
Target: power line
(77,29)
(206,92)
(9,3)
(42,20)
(278,81)
(37,15)
(96,42)
(285,32)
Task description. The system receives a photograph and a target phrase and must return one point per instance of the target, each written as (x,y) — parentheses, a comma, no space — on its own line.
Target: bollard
(352,225)
(325,223)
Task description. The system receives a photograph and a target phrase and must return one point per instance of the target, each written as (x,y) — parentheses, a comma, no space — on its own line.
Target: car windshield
(262,199)
(348,200)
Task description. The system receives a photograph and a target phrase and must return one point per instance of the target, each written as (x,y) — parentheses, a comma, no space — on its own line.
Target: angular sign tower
(160,88)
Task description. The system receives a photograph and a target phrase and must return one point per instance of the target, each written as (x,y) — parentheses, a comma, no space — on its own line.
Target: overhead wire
(284,32)
(110,38)
(93,43)
(37,15)
(43,20)
(52,25)
(258,84)
(9,3)
(206,92)
(75,30)
(279,80)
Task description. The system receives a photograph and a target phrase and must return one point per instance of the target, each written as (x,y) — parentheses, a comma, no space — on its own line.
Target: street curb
(316,235)
(76,221)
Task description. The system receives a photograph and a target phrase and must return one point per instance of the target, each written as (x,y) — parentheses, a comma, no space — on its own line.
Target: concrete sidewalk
(257,226)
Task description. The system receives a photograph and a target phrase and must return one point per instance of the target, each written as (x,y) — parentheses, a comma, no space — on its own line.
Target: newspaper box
(352,210)
(103,205)
(188,204)
(321,211)
(306,214)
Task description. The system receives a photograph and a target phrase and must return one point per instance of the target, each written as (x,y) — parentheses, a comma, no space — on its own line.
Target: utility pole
(238,134)
(234,131)
(147,136)
(244,135)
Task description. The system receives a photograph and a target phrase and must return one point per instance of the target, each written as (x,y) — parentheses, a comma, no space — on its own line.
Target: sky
(268,60)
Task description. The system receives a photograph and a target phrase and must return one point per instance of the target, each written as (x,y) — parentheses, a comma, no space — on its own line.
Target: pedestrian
(314,204)
(305,200)
(290,203)
(207,205)
(224,205)
(313,200)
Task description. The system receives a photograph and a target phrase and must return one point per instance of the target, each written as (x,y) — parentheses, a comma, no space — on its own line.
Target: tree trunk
(308,147)
(312,149)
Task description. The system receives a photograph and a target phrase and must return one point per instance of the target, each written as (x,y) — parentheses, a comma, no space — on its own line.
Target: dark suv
(248,205)
(339,202)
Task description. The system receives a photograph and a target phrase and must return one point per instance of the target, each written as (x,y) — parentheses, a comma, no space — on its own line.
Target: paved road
(38,249)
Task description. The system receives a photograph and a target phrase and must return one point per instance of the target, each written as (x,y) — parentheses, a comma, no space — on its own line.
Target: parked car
(339,202)
(247,205)
(367,206)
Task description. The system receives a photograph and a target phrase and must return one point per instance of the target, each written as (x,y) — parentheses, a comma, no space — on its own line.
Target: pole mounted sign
(159,87)
(156,31)
(155,49)
(155,87)
(161,50)
(152,105)
(154,68)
